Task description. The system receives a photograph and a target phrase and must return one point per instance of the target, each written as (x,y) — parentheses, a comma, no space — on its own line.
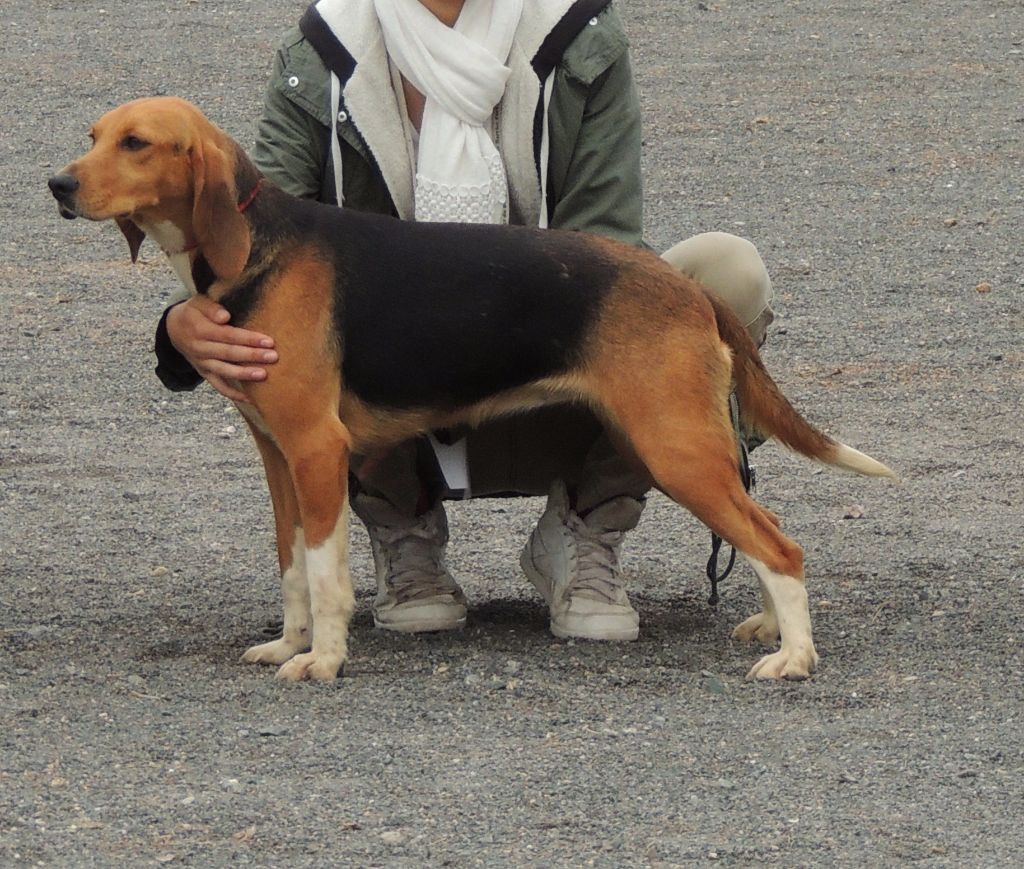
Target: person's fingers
(194,321)
(245,337)
(224,355)
(228,371)
(225,388)
(208,308)
(197,327)
(223,376)
(215,350)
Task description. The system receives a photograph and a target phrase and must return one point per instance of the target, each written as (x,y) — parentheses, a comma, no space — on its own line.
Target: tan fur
(658,367)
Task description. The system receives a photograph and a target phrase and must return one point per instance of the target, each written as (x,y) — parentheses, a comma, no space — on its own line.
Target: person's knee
(733,270)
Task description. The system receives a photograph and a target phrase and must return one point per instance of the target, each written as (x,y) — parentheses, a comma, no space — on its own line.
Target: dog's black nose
(62,186)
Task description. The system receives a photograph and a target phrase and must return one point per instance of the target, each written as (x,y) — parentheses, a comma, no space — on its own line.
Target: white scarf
(461,71)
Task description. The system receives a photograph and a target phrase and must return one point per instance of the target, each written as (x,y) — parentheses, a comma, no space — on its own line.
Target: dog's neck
(178,241)
(176,244)
(173,236)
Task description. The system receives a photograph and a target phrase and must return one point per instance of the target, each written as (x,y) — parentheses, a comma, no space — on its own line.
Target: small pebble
(272,731)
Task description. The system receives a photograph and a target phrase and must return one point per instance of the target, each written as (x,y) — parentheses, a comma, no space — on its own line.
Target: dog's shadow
(683,632)
(660,619)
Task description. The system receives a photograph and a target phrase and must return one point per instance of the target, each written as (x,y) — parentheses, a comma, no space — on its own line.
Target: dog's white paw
(763,628)
(274,652)
(786,664)
(312,665)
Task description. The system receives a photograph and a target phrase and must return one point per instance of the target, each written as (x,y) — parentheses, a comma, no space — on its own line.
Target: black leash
(749,481)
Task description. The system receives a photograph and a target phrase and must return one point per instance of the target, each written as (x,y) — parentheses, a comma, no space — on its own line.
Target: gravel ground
(873,151)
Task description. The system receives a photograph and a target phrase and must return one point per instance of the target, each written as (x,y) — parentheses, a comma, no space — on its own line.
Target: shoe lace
(597,554)
(415,567)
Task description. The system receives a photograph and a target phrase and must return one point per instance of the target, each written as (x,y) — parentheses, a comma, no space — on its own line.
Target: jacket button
(342,117)
(592,22)
(293,81)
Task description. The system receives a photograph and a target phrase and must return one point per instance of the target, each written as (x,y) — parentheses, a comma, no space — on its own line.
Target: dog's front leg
(291,553)
(318,462)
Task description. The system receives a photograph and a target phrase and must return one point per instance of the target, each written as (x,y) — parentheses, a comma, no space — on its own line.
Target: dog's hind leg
(762,627)
(785,612)
(291,553)
(318,462)
(703,478)
(676,418)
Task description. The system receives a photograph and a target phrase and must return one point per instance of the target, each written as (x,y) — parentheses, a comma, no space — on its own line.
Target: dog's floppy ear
(221,231)
(133,234)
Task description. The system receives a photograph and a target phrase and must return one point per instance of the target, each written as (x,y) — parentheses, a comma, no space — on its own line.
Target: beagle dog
(387,329)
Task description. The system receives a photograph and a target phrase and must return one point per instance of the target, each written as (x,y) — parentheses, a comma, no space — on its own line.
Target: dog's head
(160,161)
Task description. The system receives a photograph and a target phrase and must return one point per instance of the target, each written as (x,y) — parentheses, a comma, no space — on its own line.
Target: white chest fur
(173,242)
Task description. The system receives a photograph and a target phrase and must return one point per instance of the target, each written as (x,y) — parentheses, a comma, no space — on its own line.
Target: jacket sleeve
(173,369)
(594,170)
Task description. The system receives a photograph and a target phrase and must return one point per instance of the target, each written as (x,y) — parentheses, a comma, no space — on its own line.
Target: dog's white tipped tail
(764,409)
(850,459)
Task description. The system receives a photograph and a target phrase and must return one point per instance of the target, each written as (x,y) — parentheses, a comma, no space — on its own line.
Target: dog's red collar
(245,203)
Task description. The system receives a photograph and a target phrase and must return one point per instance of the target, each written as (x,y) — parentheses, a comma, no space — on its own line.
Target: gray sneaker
(573,562)
(415,591)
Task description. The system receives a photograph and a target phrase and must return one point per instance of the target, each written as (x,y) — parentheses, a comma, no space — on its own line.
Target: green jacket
(593,122)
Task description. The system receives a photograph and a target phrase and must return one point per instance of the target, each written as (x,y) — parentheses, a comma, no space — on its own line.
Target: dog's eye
(133,143)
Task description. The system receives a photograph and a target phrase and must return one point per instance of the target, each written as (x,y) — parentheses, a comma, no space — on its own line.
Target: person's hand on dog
(199,329)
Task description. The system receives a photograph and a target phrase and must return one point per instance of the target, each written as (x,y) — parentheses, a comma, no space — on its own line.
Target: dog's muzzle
(63,187)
